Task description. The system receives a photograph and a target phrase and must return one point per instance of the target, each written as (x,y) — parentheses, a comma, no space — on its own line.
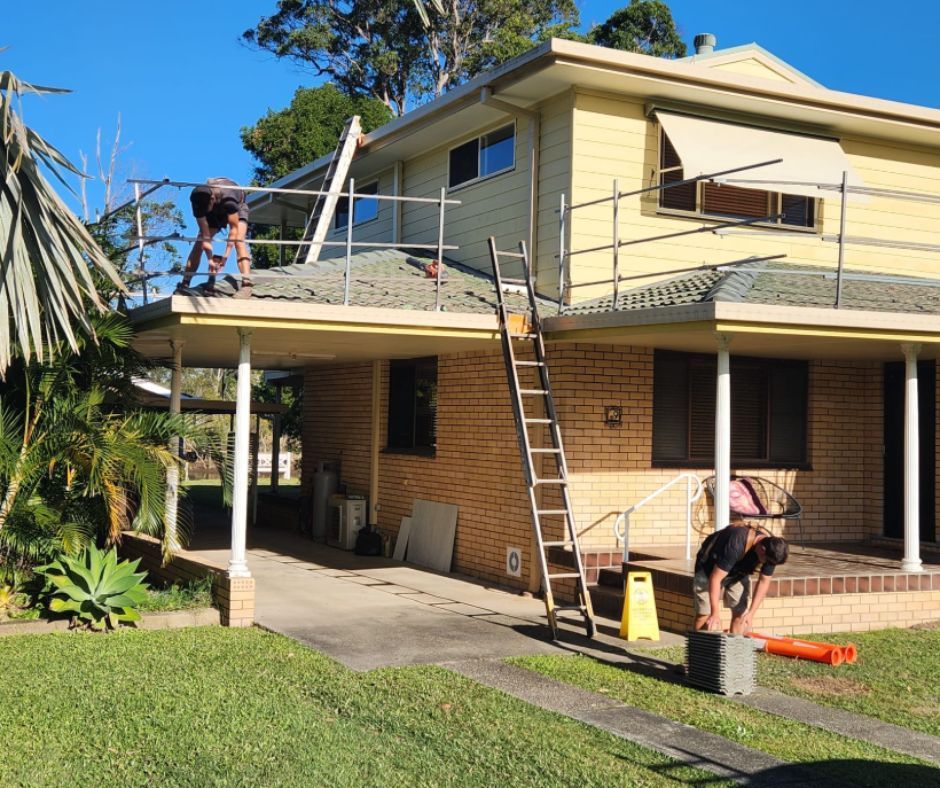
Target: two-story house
(780,320)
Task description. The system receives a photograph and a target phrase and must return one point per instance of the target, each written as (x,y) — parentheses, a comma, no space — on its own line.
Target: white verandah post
(723,434)
(171,513)
(911,561)
(238,565)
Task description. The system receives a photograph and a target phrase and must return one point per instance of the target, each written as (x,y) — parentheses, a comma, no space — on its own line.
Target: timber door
(894,447)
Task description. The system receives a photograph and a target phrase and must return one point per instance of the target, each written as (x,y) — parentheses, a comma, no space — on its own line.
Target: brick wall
(477,466)
(235,596)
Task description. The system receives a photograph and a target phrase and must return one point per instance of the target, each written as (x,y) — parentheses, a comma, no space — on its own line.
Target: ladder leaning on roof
(532,333)
(324,206)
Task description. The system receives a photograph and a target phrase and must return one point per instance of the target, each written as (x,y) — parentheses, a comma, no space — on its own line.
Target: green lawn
(895,678)
(848,759)
(218,706)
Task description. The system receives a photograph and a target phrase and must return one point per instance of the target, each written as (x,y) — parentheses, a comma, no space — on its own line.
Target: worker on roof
(723,567)
(216,204)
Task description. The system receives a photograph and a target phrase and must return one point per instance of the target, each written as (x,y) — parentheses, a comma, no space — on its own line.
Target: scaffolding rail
(732,228)
(141,241)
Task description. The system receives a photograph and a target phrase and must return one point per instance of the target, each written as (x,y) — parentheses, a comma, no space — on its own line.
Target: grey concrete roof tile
(389,278)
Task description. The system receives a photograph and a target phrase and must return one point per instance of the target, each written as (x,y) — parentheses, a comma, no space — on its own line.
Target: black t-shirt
(726,550)
(229,199)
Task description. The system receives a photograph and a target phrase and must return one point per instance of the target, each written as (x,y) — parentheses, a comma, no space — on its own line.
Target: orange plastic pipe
(789,647)
(849,650)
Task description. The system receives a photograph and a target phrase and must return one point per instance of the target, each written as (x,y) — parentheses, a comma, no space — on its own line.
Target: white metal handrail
(692,495)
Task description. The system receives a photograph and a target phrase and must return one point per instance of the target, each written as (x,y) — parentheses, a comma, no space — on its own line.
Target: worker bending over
(216,204)
(723,567)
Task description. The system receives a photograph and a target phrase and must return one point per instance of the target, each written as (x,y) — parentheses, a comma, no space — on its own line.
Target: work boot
(244,291)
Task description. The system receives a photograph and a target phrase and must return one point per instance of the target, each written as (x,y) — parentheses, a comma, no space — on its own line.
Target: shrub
(95,588)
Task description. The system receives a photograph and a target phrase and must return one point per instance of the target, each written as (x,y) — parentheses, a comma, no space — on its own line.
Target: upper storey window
(724,200)
(481,157)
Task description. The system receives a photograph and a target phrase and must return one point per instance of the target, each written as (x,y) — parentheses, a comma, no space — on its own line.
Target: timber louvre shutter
(768,411)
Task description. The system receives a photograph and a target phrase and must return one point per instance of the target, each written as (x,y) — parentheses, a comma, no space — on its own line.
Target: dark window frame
(476,165)
(691,199)
(341,217)
(411,423)
(770,395)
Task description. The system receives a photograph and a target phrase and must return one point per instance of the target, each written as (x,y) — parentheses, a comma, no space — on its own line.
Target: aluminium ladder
(531,333)
(324,206)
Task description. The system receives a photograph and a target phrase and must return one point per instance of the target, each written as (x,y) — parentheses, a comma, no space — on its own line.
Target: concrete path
(682,742)
(373,612)
(883,734)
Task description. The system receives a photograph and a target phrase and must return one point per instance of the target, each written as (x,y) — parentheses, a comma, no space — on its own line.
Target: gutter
(535,146)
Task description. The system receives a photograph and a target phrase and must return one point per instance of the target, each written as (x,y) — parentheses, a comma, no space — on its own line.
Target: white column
(911,561)
(237,565)
(723,434)
(170,529)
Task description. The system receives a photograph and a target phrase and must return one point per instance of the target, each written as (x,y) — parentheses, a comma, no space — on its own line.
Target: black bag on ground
(368,542)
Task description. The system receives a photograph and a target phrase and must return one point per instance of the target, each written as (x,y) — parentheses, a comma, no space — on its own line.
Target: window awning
(706,146)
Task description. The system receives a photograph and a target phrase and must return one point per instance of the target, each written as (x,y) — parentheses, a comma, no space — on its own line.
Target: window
(723,200)
(365,209)
(412,405)
(768,411)
(484,156)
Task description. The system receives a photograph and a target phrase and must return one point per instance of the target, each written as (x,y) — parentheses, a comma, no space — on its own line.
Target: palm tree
(48,260)
(75,463)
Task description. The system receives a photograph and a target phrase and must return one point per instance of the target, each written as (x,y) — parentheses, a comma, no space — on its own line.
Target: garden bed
(167,619)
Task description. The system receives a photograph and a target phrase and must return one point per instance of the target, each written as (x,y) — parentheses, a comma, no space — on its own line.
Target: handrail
(691,497)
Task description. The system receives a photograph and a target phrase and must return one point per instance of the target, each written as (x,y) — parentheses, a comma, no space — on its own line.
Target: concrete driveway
(374,612)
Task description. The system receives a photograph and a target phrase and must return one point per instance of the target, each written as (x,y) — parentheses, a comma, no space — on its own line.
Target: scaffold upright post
(440,248)
(140,243)
(842,211)
(616,249)
(350,215)
(561,255)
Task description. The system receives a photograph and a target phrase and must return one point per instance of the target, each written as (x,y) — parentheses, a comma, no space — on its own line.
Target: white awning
(706,146)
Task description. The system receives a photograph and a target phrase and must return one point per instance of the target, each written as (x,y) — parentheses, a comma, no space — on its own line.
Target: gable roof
(557,65)
(778,284)
(754,60)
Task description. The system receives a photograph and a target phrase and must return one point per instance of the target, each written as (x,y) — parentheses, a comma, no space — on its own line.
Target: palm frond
(46,254)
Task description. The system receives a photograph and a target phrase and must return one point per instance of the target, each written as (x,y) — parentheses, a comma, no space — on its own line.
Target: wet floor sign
(639,608)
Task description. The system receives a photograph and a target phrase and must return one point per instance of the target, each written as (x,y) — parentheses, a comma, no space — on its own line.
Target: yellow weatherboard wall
(613,138)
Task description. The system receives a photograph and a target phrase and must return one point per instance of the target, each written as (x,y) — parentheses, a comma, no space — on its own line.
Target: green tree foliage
(644,26)
(287,139)
(77,463)
(49,261)
(384,49)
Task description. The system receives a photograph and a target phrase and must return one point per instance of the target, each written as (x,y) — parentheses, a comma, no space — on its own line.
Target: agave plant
(95,588)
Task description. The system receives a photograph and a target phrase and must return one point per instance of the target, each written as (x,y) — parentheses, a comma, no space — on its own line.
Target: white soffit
(706,146)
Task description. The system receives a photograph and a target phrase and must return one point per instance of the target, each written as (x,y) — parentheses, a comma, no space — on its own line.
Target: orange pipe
(801,649)
(849,650)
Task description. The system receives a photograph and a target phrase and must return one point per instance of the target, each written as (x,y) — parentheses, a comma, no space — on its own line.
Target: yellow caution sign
(639,608)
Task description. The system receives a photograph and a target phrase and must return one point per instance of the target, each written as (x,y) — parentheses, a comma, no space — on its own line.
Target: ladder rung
(517,255)
(555,512)
(533,392)
(545,451)
(529,335)
(562,575)
(537,421)
(506,281)
(552,481)
(582,609)
(530,363)
(563,543)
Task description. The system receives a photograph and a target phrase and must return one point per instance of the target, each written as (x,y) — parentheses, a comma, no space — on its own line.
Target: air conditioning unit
(346,517)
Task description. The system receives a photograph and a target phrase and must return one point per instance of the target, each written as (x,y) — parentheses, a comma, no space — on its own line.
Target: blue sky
(184,85)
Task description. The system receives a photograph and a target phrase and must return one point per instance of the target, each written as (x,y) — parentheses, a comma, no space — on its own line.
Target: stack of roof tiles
(721,663)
